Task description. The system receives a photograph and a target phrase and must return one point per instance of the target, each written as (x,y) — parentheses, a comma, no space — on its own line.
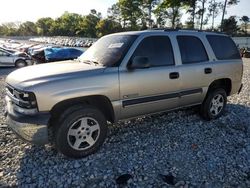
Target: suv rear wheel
(214,104)
(81,132)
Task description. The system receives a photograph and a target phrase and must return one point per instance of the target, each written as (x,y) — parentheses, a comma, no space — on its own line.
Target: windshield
(108,51)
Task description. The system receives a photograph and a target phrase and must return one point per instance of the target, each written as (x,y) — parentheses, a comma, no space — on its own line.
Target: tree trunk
(213,16)
(246,28)
(150,15)
(223,13)
(193,14)
(202,15)
(173,18)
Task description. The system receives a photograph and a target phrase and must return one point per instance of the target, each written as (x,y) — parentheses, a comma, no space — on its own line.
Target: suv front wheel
(81,132)
(214,104)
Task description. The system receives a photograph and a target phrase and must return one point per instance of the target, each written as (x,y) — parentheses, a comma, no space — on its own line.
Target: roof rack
(164,29)
(184,29)
(176,29)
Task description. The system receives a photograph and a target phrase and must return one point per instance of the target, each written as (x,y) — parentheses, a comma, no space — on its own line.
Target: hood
(21,54)
(49,72)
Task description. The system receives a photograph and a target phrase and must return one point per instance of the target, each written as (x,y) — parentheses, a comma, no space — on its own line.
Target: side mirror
(139,62)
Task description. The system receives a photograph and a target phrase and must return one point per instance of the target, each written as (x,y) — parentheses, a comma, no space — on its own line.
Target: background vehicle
(245,52)
(17,59)
(52,54)
(122,76)
(8,50)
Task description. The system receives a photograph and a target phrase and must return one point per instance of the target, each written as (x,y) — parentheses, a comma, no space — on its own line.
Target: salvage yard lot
(196,152)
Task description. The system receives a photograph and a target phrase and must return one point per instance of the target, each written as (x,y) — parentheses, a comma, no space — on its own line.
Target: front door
(5,59)
(145,90)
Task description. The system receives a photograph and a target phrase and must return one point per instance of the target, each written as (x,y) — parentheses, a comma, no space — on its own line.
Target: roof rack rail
(184,29)
(164,29)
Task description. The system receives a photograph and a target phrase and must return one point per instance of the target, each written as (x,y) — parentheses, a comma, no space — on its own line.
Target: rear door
(153,89)
(196,71)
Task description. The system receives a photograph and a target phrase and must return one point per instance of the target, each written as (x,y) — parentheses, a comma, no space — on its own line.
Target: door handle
(174,75)
(208,70)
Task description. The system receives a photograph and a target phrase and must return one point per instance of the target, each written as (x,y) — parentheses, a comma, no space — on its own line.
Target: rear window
(192,50)
(223,46)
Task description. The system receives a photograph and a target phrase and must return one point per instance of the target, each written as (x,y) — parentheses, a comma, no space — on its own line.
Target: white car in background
(17,59)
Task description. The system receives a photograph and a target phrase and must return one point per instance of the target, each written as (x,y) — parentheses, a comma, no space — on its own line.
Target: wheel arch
(20,59)
(224,83)
(101,102)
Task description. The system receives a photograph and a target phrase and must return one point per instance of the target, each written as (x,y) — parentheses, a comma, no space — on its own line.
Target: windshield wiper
(89,62)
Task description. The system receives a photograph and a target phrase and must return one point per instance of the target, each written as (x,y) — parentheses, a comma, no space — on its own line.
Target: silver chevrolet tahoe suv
(122,76)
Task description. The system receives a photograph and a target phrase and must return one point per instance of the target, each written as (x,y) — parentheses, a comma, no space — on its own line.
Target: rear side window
(192,50)
(158,49)
(224,48)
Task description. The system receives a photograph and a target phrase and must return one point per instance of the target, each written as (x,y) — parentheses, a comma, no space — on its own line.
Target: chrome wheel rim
(217,104)
(83,133)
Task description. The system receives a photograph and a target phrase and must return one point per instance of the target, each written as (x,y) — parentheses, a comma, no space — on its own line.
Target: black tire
(20,63)
(69,119)
(207,110)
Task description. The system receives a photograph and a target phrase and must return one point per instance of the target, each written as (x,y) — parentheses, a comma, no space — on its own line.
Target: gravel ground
(176,148)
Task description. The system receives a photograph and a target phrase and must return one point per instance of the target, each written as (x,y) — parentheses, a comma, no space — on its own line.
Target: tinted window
(157,49)
(109,50)
(192,50)
(223,47)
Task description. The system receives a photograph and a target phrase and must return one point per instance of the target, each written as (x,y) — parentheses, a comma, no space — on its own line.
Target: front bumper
(33,128)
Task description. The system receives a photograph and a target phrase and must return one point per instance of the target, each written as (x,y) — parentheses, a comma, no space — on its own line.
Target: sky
(32,10)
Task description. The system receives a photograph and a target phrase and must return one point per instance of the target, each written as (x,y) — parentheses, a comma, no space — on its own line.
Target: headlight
(28,100)
(22,99)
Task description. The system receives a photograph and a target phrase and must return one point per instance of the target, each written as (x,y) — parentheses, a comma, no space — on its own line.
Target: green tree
(230,26)
(114,13)
(9,29)
(67,24)
(202,12)
(107,26)
(227,3)
(172,9)
(27,29)
(245,20)
(1,30)
(130,12)
(87,27)
(192,6)
(161,15)
(44,26)
(148,6)
(197,10)
(214,9)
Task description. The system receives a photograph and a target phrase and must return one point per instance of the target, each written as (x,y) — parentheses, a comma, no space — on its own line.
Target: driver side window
(157,49)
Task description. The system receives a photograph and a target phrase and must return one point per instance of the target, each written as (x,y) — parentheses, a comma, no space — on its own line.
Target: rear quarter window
(223,46)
